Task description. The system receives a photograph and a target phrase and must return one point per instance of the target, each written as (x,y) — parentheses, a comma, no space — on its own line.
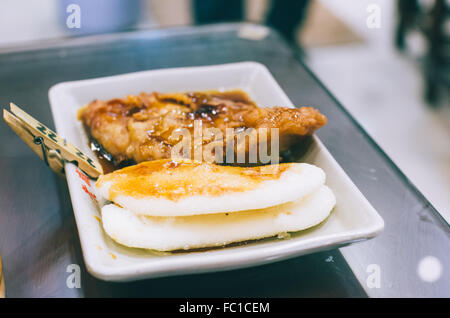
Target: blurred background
(386,61)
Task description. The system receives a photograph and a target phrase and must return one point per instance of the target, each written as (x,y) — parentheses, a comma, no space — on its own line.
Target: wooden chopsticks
(2,281)
(54,150)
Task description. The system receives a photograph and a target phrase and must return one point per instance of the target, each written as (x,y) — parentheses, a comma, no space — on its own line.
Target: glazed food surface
(176,179)
(141,128)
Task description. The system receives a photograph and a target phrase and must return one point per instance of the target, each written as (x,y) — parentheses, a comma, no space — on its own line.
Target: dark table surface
(38,236)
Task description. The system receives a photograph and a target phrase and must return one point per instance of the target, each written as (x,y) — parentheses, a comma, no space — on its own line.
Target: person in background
(284,16)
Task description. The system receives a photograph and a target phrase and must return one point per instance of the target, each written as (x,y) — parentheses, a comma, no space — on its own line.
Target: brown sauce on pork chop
(125,131)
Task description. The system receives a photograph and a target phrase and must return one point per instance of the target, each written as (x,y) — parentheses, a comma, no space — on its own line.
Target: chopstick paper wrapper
(54,150)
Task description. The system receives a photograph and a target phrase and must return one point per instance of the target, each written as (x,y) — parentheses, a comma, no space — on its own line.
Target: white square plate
(353,219)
